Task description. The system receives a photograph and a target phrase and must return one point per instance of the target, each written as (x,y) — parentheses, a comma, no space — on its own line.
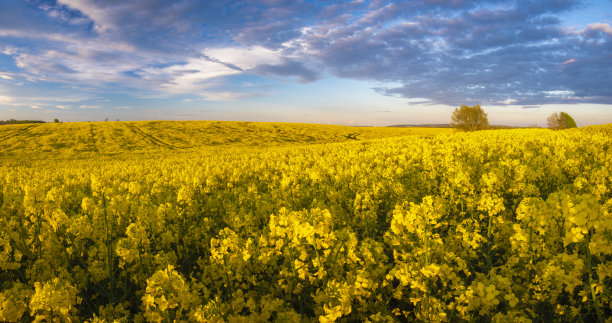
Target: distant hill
(442,125)
(429,125)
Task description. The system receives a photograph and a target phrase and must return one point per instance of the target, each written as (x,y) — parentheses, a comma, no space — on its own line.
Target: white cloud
(90,107)
(417,100)
(87,64)
(196,76)
(192,77)
(559,93)
(63,107)
(81,64)
(103,19)
(509,101)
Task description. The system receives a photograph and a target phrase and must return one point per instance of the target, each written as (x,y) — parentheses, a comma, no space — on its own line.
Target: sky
(370,63)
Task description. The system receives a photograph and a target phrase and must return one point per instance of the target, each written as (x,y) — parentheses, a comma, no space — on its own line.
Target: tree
(469,118)
(568,120)
(56,120)
(557,121)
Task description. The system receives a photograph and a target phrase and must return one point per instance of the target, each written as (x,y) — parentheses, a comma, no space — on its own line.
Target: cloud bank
(444,52)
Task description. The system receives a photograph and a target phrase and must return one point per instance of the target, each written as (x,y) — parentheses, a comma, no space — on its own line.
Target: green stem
(229,286)
(316,246)
(489,244)
(530,266)
(295,275)
(600,318)
(38,229)
(427,261)
(109,251)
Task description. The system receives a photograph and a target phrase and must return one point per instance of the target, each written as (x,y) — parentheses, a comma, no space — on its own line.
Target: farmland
(228,221)
(78,140)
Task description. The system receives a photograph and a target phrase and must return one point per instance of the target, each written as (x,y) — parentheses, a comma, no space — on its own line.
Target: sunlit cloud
(598,26)
(569,61)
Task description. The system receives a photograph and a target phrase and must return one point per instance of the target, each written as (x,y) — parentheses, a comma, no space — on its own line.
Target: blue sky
(339,62)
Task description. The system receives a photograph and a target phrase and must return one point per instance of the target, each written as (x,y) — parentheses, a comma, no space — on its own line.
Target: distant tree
(557,121)
(106,119)
(56,120)
(568,120)
(467,118)
(13,121)
(554,121)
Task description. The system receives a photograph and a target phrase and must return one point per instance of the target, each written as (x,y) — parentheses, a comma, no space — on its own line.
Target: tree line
(13,121)
(466,118)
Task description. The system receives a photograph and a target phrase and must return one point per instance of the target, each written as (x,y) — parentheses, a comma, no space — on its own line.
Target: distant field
(104,138)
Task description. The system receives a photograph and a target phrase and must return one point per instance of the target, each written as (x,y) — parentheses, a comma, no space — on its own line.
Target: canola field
(94,139)
(310,224)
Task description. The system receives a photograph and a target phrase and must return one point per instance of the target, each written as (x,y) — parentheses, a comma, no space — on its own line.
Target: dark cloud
(287,69)
(187,24)
(462,53)
(536,7)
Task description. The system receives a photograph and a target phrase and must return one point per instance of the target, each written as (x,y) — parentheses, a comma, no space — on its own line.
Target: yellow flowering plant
(501,225)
